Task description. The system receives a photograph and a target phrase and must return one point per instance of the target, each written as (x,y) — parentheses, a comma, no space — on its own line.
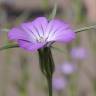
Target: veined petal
(66,36)
(59,31)
(18,33)
(29,45)
(39,25)
(53,26)
(36,27)
(30,31)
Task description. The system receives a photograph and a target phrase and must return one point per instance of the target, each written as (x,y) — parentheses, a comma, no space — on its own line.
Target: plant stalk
(47,66)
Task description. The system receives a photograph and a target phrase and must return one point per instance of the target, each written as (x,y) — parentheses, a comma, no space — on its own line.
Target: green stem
(47,66)
(49,86)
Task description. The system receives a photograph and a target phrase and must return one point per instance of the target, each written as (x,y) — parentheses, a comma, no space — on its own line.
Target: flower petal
(29,31)
(66,36)
(59,31)
(40,25)
(16,33)
(29,45)
(37,27)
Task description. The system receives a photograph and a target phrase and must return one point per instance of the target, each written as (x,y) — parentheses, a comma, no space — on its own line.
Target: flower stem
(47,66)
(49,86)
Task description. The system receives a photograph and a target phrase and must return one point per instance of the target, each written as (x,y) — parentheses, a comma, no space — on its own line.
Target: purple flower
(39,33)
(78,53)
(59,83)
(68,68)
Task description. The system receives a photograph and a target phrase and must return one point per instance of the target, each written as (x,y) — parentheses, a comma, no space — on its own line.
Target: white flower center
(41,39)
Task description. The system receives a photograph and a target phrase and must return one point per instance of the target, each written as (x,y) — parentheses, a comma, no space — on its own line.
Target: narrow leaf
(53,14)
(85,28)
(9,46)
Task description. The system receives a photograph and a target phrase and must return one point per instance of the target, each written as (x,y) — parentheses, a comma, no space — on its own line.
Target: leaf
(85,28)
(53,13)
(9,46)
